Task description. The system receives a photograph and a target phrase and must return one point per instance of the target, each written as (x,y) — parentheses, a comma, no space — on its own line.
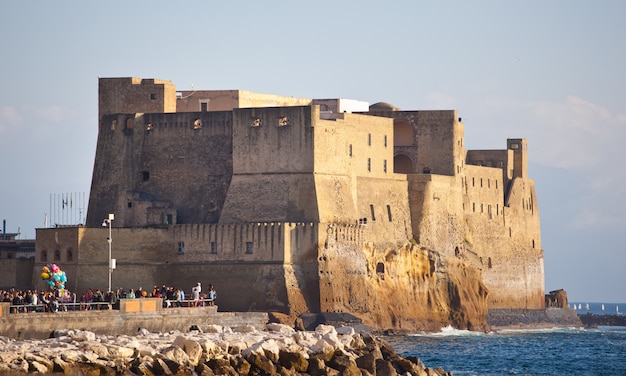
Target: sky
(552,72)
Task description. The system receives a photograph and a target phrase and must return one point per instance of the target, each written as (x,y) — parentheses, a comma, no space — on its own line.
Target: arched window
(44,256)
(57,255)
(69,255)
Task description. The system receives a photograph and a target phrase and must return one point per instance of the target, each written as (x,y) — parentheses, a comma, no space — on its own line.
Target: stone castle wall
(154,168)
(16,273)
(298,210)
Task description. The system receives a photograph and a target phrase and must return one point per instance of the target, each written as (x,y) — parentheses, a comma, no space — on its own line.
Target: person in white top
(195,294)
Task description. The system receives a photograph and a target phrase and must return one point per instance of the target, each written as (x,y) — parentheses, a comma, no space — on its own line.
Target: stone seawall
(39,325)
(532,318)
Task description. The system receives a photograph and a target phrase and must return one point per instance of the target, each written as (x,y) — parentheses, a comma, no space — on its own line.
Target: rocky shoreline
(212,350)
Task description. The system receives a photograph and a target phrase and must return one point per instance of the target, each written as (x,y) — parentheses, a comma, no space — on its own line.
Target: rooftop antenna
(192,93)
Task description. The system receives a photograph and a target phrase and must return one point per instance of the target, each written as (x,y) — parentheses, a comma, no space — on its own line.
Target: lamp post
(106,222)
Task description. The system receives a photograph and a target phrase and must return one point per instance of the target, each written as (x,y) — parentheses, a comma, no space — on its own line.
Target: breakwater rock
(533,318)
(590,320)
(212,350)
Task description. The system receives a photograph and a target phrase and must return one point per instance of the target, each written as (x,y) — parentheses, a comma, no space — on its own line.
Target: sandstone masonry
(305,205)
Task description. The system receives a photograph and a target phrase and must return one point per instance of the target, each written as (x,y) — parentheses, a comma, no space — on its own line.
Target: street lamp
(106,222)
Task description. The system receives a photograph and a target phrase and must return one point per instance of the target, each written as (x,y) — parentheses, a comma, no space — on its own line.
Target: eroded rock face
(277,351)
(404,288)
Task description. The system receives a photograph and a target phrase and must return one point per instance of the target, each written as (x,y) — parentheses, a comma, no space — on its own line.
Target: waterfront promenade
(131,316)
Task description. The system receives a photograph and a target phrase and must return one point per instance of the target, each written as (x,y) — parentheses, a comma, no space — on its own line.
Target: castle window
(350,150)
(145,175)
(514,146)
(113,124)
(283,121)
(473,182)
(497,209)
(204,105)
(385,140)
(489,265)
(496,184)
(130,123)
(533,243)
(369,164)
(181,248)
(10,255)
(69,255)
(170,219)
(488,183)
(510,233)
(213,248)
(389,213)
(256,122)
(57,255)
(372,211)
(130,204)
(385,166)
(44,256)
(474,207)
(369,139)
(481,182)
(362,221)
(248,248)
(152,96)
(481,208)
(197,124)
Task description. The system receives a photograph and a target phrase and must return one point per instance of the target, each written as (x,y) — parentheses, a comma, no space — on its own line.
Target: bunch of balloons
(54,276)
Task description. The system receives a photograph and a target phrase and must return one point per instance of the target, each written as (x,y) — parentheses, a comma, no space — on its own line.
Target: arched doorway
(402,164)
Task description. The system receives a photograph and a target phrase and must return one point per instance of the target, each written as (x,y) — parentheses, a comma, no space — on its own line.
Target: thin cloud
(51,113)
(578,134)
(9,118)
(13,118)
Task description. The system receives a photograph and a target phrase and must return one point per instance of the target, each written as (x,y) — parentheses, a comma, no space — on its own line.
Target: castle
(304,205)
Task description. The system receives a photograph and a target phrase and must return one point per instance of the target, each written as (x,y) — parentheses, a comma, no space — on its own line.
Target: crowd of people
(35,300)
(95,299)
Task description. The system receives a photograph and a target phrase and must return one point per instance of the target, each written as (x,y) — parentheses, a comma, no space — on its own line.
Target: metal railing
(100,306)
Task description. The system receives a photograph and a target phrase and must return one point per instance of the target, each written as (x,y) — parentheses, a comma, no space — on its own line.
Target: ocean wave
(555,329)
(449,331)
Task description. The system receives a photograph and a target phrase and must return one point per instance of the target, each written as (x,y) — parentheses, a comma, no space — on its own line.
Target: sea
(547,352)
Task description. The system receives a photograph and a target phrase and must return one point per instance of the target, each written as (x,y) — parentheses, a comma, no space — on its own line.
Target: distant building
(17,258)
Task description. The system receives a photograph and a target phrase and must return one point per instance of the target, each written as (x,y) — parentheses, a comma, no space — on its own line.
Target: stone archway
(402,164)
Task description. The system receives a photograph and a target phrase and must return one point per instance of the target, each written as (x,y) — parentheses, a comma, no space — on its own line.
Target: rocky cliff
(404,288)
